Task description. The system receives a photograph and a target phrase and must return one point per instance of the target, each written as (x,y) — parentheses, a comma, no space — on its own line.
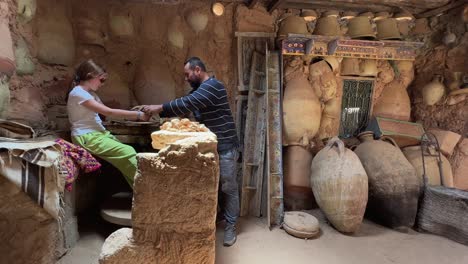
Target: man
(208,103)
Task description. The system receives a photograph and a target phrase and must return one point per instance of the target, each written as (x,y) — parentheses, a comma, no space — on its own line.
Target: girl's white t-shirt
(82,119)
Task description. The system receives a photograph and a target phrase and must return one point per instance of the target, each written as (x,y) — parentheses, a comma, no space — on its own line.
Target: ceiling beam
(275,4)
(440,10)
(341,6)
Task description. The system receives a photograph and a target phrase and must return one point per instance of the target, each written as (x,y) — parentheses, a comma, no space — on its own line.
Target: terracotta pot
(394,102)
(327,26)
(323,80)
(433,91)
(360,28)
(333,62)
(331,13)
(350,67)
(413,154)
(292,25)
(4,98)
(368,68)
(393,184)
(297,192)
(381,15)
(301,112)
(387,29)
(339,183)
(7,58)
(309,15)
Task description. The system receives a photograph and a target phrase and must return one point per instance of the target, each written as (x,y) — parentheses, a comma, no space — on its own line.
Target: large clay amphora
(393,184)
(433,91)
(301,112)
(297,192)
(394,102)
(413,154)
(323,80)
(339,184)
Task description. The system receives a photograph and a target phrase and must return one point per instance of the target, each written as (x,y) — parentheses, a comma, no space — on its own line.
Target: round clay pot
(360,28)
(327,26)
(433,91)
(387,29)
(292,25)
(414,156)
(393,184)
(339,184)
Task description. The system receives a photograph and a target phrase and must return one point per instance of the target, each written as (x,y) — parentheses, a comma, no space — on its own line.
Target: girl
(87,130)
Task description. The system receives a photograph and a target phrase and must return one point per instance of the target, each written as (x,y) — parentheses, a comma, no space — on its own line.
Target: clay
(393,184)
(7,58)
(24,63)
(121,23)
(323,80)
(4,97)
(197,20)
(434,91)
(460,165)
(330,121)
(174,34)
(394,102)
(26,10)
(339,184)
(184,125)
(254,20)
(447,140)
(297,189)
(301,112)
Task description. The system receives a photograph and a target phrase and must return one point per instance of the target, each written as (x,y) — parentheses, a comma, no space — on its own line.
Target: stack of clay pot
(292,24)
(301,121)
(327,24)
(393,184)
(340,186)
(360,27)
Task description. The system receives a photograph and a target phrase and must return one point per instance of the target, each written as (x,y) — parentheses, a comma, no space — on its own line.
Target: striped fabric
(209,104)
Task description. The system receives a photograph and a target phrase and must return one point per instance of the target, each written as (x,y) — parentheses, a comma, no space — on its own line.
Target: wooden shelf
(349,48)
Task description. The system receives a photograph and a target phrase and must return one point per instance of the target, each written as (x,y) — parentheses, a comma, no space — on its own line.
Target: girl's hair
(86,71)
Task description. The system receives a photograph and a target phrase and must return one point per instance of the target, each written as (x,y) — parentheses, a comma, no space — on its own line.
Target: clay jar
(327,26)
(394,102)
(413,154)
(433,91)
(323,80)
(297,192)
(330,122)
(339,184)
(292,25)
(393,184)
(301,112)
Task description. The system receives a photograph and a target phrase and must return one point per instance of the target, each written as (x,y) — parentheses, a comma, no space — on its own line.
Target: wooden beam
(252,3)
(342,6)
(440,10)
(423,4)
(275,4)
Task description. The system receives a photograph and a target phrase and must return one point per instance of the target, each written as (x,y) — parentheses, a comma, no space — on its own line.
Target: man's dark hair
(195,61)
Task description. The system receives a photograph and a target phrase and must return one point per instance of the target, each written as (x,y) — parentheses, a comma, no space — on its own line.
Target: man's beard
(195,84)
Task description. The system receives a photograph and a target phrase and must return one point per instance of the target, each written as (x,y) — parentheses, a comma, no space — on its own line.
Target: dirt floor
(256,244)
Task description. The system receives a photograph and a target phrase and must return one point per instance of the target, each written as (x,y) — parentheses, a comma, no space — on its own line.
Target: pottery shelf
(317,45)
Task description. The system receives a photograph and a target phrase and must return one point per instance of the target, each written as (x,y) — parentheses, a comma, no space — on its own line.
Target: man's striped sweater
(210,106)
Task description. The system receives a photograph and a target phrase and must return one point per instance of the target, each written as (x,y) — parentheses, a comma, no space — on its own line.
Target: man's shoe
(230,235)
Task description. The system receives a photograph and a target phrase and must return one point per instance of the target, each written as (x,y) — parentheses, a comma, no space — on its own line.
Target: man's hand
(145,117)
(152,109)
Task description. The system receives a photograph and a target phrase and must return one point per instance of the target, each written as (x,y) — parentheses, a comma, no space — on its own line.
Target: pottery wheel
(117,209)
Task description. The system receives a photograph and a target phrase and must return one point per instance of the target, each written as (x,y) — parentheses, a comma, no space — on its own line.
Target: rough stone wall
(440,56)
(118,35)
(174,207)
